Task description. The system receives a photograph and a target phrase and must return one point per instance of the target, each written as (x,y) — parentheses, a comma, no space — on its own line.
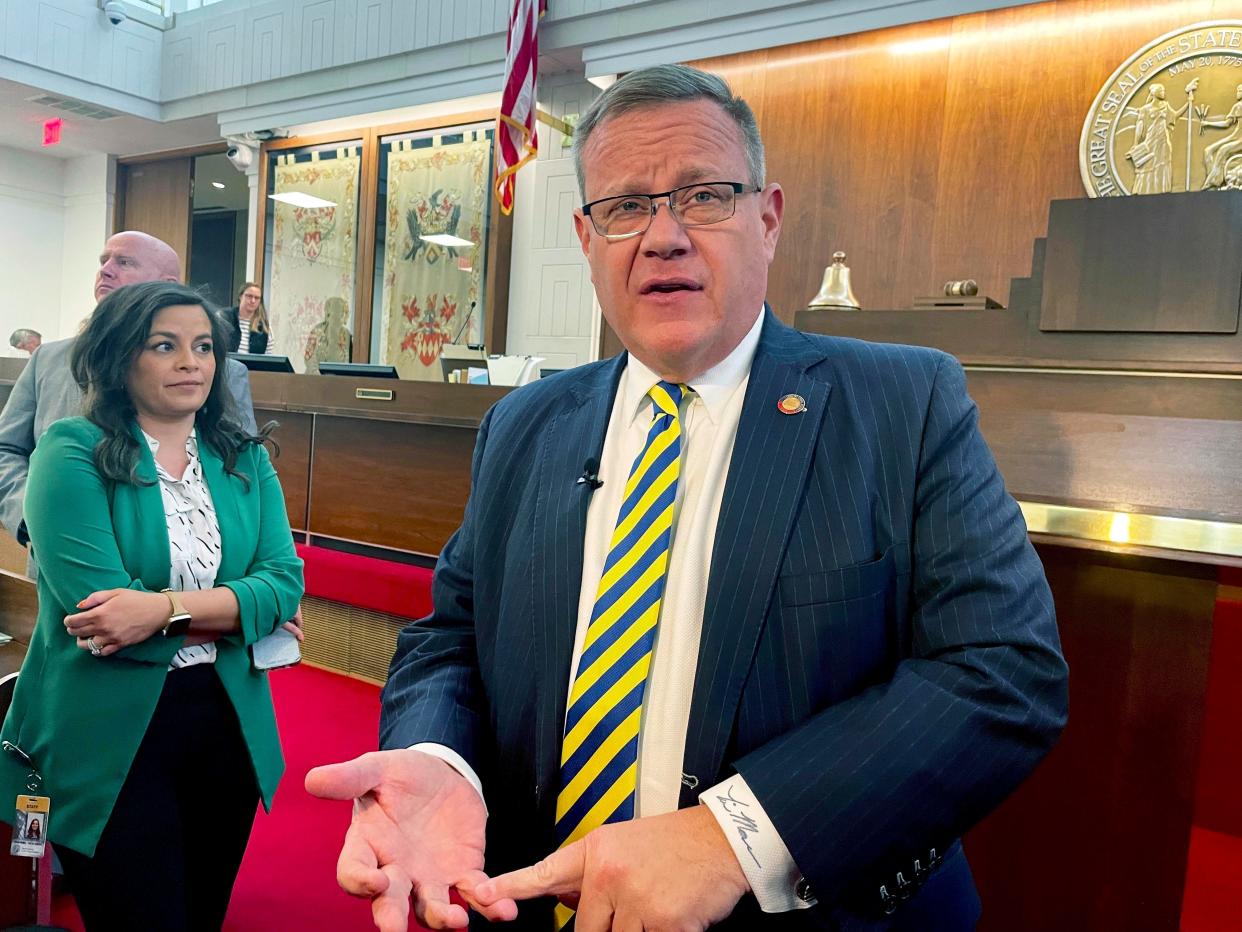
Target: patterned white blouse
(193,537)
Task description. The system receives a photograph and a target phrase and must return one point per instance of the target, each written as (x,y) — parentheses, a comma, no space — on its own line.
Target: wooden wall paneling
(1003,392)
(390,484)
(937,162)
(1105,821)
(1152,465)
(294,437)
(1188,281)
(880,114)
(158,199)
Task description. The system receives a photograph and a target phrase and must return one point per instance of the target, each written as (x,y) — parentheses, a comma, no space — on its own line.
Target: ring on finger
(94,646)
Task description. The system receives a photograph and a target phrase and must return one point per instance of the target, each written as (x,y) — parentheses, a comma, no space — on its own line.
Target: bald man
(46,390)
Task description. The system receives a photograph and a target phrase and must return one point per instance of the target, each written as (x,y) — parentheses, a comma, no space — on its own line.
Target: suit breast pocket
(837,628)
(859,581)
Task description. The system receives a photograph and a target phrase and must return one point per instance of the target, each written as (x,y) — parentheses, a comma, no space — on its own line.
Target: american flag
(516,140)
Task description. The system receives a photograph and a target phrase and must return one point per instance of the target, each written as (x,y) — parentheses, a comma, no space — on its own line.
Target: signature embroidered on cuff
(743,822)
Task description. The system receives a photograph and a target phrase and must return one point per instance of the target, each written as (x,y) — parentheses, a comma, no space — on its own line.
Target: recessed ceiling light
(217,184)
(301,199)
(445,239)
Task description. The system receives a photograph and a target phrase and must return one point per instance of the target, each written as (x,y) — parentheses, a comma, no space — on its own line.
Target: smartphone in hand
(278,649)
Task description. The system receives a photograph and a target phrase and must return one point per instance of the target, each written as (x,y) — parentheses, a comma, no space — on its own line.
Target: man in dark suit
(740,627)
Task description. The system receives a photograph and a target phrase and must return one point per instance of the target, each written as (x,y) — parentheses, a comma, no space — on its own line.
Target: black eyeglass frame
(737,186)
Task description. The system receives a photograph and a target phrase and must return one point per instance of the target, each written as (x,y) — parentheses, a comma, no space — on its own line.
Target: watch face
(177,625)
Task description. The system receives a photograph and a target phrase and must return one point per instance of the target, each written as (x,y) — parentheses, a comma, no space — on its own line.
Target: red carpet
(288,879)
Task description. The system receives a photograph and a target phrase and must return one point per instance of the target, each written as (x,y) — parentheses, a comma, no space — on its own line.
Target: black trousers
(169,855)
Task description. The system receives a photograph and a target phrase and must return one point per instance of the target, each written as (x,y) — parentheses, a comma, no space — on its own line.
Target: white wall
(552,310)
(56,215)
(32,205)
(89,201)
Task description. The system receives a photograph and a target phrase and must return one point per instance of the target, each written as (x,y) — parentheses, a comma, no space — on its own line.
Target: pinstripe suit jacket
(879,656)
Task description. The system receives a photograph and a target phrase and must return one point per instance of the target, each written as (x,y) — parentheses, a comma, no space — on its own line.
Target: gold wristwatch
(179,618)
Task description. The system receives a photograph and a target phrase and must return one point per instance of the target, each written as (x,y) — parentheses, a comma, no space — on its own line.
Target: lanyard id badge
(30,826)
(31,821)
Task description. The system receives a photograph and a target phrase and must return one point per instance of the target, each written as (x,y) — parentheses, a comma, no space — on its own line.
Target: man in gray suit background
(46,390)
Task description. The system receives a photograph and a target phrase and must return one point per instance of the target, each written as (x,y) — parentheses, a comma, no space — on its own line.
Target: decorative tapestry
(435,248)
(313,256)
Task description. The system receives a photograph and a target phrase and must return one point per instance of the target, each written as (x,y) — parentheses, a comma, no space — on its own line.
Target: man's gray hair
(22,334)
(670,84)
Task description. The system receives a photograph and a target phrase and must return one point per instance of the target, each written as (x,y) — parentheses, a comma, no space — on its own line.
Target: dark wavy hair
(105,351)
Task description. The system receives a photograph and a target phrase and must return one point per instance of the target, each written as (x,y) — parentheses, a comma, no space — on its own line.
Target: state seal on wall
(1170,117)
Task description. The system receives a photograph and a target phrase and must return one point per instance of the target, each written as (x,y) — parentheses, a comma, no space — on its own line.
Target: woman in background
(164,551)
(251,331)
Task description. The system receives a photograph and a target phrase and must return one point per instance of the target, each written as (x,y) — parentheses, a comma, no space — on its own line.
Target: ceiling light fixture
(445,239)
(301,199)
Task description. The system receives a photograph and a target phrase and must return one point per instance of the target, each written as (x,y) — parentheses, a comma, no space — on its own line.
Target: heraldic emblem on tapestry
(314,225)
(428,216)
(1170,117)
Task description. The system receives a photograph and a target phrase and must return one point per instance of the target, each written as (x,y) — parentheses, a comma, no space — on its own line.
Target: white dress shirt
(709,426)
(193,537)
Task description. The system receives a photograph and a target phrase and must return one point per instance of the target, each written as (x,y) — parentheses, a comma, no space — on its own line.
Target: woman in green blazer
(164,552)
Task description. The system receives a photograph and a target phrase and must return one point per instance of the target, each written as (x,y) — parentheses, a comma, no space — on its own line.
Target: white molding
(256,64)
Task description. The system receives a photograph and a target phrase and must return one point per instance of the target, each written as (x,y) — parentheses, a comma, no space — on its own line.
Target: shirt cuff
(774,877)
(454,760)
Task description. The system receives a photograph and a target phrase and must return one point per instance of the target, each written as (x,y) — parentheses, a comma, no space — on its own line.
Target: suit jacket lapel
(572,437)
(767,477)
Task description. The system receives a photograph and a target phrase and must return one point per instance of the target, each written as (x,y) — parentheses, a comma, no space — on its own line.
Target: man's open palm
(417,830)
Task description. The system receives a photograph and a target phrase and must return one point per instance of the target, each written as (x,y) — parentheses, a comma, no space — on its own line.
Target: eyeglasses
(694,205)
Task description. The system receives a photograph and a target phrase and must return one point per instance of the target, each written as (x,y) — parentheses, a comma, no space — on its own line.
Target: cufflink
(802,890)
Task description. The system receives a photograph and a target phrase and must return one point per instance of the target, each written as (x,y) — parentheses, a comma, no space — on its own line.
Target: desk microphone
(465,323)
(590,474)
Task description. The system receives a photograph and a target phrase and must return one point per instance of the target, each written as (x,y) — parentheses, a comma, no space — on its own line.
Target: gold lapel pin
(791,404)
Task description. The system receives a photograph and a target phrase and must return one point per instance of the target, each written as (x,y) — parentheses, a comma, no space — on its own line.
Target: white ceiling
(21,127)
(235,195)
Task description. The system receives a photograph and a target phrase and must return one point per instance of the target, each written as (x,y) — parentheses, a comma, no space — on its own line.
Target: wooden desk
(391,474)
(1123,445)
(19,607)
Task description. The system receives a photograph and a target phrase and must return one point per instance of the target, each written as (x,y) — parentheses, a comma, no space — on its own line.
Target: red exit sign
(51,131)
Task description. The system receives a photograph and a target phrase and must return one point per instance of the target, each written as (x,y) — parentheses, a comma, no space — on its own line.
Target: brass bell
(835,291)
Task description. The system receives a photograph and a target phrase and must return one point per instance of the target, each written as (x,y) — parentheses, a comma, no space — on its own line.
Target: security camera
(115,12)
(241,156)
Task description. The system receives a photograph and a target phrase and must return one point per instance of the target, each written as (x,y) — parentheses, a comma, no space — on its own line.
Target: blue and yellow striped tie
(599,757)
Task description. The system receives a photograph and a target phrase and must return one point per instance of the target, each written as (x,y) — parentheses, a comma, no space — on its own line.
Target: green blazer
(81,718)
